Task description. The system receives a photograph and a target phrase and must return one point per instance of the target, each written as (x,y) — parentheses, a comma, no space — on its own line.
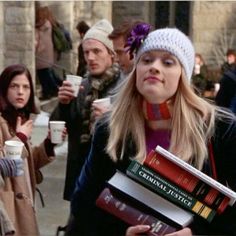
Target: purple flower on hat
(136,38)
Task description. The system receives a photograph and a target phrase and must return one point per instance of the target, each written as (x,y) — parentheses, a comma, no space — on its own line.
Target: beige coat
(45,54)
(18,193)
(6,225)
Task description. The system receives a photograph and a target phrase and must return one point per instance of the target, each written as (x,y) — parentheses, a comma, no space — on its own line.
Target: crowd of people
(222,92)
(142,70)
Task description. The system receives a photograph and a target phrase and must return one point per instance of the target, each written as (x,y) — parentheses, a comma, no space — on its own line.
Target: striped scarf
(99,88)
(155,111)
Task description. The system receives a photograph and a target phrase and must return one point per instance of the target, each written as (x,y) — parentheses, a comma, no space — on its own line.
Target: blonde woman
(157,106)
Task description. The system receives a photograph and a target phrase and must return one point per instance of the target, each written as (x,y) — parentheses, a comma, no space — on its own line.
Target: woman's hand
(182,232)
(25,128)
(137,230)
(141,229)
(98,110)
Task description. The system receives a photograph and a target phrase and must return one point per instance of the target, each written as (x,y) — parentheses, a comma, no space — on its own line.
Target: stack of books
(165,193)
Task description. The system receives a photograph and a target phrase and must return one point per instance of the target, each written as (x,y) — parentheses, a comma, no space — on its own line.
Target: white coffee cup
(33,116)
(13,149)
(103,102)
(75,82)
(56,131)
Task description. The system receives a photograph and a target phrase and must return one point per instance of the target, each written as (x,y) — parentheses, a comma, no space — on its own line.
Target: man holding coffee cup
(80,112)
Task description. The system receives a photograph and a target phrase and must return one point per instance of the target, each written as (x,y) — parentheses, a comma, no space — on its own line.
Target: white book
(205,178)
(136,191)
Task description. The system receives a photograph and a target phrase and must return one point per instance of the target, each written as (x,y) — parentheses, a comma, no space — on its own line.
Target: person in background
(45,53)
(119,37)
(230,63)
(200,73)
(82,28)
(156,106)
(18,193)
(79,112)
(226,96)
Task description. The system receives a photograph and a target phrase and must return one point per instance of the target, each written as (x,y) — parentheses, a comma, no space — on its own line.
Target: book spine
(200,175)
(184,179)
(168,190)
(130,214)
(165,209)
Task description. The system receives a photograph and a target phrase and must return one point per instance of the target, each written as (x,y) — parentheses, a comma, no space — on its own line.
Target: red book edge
(167,171)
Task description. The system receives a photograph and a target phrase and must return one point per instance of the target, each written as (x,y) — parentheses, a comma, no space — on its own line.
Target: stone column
(17,37)
(1,37)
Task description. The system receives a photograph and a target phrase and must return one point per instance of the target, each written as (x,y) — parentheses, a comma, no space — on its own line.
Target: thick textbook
(205,188)
(199,189)
(160,185)
(205,178)
(178,216)
(131,213)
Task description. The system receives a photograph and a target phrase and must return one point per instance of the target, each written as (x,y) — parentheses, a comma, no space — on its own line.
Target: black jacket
(227,91)
(77,151)
(98,168)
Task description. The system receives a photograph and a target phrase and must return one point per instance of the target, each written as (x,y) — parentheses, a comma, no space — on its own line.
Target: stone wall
(143,10)
(17,34)
(212,24)
(70,13)
(214,29)
(1,36)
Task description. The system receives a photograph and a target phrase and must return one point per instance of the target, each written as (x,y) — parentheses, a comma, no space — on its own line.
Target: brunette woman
(18,193)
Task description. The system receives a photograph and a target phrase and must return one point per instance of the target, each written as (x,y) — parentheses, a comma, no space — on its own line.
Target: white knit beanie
(173,41)
(100,32)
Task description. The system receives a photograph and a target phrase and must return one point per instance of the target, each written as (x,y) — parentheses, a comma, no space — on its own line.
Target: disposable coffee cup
(103,102)
(33,116)
(56,131)
(13,149)
(75,82)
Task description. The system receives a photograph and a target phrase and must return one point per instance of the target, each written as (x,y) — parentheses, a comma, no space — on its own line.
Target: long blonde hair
(192,123)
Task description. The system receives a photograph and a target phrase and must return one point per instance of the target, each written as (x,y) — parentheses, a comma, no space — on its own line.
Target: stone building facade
(211,25)
(214,29)
(70,13)
(17,33)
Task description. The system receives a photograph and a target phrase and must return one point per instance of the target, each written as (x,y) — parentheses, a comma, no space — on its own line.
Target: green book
(172,192)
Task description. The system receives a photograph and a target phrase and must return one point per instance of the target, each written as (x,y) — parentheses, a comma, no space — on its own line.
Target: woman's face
(157,76)
(18,92)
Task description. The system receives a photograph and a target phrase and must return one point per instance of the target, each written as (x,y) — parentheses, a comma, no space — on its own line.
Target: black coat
(227,91)
(77,151)
(98,168)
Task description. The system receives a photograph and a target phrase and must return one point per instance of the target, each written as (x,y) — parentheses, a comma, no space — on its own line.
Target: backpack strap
(212,160)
